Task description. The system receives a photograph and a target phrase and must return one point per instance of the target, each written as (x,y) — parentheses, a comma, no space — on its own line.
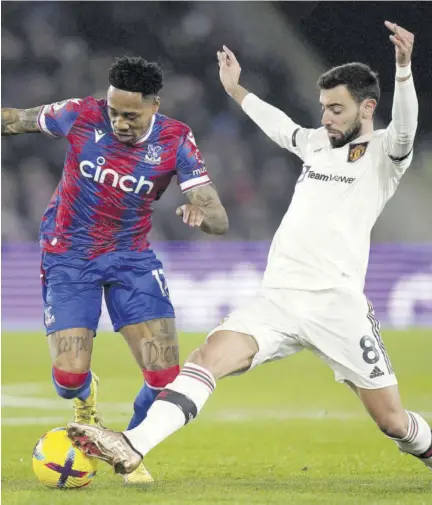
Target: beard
(344,138)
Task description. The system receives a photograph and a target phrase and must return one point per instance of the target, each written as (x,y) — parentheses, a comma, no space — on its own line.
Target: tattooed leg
(153,343)
(71,349)
(71,356)
(155,347)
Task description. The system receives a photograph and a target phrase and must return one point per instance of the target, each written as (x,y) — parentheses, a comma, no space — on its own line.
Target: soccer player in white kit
(312,293)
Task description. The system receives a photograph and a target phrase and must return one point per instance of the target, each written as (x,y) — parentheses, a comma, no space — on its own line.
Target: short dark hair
(133,73)
(359,79)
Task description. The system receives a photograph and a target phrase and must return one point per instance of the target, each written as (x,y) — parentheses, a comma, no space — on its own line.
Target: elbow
(223,223)
(216,223)
(224,228)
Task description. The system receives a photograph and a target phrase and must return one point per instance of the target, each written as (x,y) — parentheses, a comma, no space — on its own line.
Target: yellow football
(58,464)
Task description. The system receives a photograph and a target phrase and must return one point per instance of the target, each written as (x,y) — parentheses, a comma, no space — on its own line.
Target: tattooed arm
(204,210)
(16,121)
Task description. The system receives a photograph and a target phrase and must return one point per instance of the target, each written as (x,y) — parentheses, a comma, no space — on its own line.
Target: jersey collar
(148,132)
(363,138)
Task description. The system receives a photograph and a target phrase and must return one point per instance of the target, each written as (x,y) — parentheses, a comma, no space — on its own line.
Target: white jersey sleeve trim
(42,122)
(193,183)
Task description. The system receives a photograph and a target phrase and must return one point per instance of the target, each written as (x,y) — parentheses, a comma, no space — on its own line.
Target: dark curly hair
(359,79)
(133,73)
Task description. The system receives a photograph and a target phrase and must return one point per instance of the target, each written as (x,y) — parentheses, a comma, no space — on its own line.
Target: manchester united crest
(356,151)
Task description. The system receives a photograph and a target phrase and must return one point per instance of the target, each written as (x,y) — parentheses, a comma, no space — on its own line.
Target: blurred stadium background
(307,451)
(56,50)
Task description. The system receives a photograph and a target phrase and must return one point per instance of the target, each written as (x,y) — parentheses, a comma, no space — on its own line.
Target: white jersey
(324,238)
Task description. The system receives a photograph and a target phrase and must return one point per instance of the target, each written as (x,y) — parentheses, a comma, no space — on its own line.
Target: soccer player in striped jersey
(312,294)
(121,156)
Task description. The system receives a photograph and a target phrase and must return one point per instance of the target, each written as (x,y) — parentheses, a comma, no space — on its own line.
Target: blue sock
(81,392)
(143,402)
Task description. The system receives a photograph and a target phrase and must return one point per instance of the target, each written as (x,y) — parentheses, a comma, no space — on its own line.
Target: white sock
(194,384)
(419,436)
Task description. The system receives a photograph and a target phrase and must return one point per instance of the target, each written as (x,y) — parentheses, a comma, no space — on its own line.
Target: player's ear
(368,108)
(156,104)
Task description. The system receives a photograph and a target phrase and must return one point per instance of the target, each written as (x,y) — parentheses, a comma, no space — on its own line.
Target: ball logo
(127,183)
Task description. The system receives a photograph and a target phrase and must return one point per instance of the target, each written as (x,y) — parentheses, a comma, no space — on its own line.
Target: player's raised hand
(193,215)
(229,70)
(403,41)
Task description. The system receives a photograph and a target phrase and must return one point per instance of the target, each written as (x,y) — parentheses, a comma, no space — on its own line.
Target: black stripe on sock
(185,404)
(411,428)
(410,434)
(198,374)
(415,428)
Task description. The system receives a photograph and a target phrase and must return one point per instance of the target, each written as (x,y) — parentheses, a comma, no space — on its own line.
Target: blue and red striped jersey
(103,201)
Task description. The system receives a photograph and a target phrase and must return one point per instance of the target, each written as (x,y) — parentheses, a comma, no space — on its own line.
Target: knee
(225,353)
(393,424)
(217,360)
(68,385)
(204,357)
(208,360)
(71,367)
(198,357)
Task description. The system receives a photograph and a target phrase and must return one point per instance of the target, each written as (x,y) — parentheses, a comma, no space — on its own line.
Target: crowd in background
(57,50)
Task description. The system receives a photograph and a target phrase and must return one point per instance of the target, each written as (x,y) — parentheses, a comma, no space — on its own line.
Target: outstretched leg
(224,353)
(408,429)
(229,349)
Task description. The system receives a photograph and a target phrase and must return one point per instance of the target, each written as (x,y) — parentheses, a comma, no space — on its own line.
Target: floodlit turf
(285,433)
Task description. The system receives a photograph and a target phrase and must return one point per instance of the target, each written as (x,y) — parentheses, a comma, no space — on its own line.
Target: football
(58,464)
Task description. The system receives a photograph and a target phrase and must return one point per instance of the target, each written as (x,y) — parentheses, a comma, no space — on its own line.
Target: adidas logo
(376,372)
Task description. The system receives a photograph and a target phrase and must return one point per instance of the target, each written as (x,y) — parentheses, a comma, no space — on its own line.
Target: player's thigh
(344,332)
(71,349)
(257,333)
(153,343)
(72,299)
(225,353)
(138,293)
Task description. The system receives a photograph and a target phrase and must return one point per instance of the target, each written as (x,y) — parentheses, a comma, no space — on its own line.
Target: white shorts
(338,325)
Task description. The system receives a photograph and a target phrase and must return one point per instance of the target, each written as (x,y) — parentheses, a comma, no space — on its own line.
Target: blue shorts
(133,283)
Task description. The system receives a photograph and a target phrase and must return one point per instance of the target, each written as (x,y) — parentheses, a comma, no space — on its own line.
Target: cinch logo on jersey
(310,174)
(126,183)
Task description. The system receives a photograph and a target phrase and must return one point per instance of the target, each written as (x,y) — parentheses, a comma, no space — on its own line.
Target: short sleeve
(191,169)
(57,119)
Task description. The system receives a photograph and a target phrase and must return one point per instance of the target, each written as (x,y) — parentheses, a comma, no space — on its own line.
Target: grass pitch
(284,433)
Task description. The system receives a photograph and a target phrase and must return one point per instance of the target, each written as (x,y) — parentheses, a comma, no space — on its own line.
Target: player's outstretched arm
(400,133)
(204,210)
(16,121)
(272,121)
